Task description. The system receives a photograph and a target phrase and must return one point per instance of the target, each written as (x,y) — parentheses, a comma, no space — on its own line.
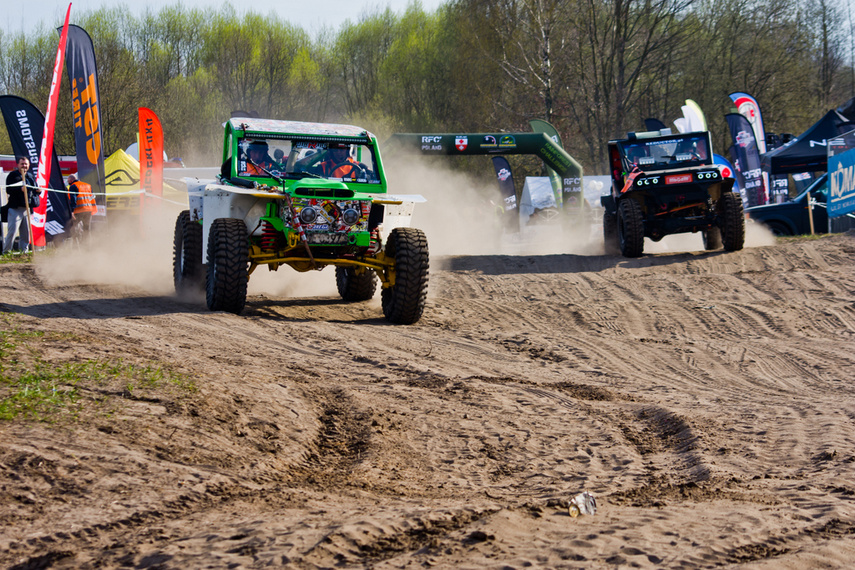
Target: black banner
(746,160)
(26,126)
(86,106)
(508,193)
(652,124)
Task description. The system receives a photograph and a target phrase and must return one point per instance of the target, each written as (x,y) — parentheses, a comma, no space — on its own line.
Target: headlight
(350,216)
(707,175)
(308,215)
(647,181)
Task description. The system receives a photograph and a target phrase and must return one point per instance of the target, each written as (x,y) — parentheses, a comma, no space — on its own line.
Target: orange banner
(151,152)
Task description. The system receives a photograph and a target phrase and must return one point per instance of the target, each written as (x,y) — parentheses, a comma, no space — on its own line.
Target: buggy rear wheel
(355,284)
(228,265)
(187,269)
(712,238)
(733,223)
(611,245)
(404,302)
(630,228)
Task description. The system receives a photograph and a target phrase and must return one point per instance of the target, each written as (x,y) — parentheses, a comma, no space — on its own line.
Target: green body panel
(467,144)
(541,126)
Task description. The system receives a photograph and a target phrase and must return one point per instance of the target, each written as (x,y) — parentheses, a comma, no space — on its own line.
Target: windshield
(818,190)
(263,158)
(666,152)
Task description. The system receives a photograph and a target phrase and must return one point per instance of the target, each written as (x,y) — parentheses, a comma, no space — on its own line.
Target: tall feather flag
(747,106)
(26,125)
(508,193)
(746,160)
(45,162)
(86,109)
(693,119)
(151,152)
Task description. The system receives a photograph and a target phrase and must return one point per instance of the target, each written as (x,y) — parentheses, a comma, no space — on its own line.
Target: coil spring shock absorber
(269,237)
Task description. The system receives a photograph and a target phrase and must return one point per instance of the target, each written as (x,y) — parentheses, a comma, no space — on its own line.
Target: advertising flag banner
(653,124)
(841,184)
(25,125)
(746,160)
(45,164)
(695,118)
(508,192)
(728,171)
(151,152)
(747,106)
(86,109)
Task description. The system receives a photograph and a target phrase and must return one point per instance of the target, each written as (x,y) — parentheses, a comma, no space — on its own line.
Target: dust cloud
(124,251)
(461,216)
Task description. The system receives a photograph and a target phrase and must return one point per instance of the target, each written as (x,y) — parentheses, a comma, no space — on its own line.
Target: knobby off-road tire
(355,284)
(712,238)
(611,245)
(228,265)
(630,228)
(188,271)
(733,222)
(404,302)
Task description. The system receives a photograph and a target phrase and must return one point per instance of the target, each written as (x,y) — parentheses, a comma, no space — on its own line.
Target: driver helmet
(635,153)
(340,153)
(258,145)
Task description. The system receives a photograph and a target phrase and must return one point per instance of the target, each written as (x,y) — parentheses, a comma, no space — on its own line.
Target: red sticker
(678,179)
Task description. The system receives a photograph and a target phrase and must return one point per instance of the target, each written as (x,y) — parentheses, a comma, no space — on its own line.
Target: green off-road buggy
(664,184)
(307,195)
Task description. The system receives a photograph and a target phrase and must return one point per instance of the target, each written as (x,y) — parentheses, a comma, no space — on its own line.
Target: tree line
(595,69)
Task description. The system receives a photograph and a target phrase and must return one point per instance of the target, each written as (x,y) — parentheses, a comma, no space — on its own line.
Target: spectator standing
(18,220)
(81,202)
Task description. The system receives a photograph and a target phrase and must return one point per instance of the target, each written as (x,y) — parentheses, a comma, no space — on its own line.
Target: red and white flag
(45,158)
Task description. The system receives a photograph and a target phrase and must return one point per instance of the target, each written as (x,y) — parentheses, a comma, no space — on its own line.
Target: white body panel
(210,201)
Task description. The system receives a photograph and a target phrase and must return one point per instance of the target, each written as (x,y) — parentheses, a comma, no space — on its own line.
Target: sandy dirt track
(704,398)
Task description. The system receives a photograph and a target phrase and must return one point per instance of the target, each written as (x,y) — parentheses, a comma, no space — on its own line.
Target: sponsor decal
(123,202)
(678,179)
(489,142)
(510,202)
(431,147)
(431,139)
(332,213)
(572,181)
(306,144)
(461,142)
(726,172)
(823,142)
(744,138)
(27,137)
(507,141)
(84,104)
(504,174)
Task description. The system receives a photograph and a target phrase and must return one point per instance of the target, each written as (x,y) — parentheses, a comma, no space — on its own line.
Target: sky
(311,15)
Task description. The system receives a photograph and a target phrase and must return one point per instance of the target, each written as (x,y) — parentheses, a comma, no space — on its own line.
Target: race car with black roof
(663,184)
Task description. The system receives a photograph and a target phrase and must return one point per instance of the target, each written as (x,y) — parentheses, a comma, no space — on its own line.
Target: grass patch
(35,389)
(16,257)
(803,237)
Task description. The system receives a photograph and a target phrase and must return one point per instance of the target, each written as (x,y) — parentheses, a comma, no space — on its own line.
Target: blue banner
(86,107)
(746,161)
(25,125)
(508,193)
(841,184)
